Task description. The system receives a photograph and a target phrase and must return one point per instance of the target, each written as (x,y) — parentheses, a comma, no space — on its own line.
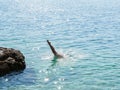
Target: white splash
(46,79)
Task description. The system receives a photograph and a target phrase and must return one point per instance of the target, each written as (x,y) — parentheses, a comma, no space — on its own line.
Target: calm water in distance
(87,32)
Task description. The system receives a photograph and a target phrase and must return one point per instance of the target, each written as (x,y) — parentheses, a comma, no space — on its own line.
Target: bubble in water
(55,82)
(40,71)
(67,19)
(35,48)
(71,68)
(6,80)
(32,62)
(46,57)
(61,79)
(46,79)
(59,87)
(54,70)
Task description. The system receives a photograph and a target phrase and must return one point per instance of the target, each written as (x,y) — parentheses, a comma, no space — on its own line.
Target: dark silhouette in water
(56,55)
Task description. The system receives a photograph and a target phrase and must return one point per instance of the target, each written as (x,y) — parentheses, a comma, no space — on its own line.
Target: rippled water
(86,32)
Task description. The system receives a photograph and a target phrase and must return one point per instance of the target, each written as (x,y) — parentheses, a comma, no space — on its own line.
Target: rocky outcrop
(11,60)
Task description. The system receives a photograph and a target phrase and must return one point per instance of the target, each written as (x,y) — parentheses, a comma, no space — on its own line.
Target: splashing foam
(70,57)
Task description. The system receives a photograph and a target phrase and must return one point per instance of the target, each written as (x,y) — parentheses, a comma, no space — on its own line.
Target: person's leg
(52,48)
(54,51)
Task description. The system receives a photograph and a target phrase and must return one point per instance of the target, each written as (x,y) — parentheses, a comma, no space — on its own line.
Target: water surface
(86,32)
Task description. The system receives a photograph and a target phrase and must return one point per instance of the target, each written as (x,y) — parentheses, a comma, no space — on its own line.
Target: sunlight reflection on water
(85,32)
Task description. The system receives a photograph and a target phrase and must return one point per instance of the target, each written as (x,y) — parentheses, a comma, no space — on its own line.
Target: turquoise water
(87,33)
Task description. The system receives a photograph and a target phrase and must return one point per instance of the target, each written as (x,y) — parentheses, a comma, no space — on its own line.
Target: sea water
(86,32)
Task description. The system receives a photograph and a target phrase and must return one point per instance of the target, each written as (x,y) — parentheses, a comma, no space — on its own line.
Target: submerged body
(54,51)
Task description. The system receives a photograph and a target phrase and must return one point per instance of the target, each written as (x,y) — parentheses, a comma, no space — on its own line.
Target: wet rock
(11,60)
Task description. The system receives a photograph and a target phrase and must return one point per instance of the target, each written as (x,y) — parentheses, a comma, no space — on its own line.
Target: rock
(11,60)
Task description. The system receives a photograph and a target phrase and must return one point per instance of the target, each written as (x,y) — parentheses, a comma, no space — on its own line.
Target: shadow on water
(53,64)
(27,77)
(54,61)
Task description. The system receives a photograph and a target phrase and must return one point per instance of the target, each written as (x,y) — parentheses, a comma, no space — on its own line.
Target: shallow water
(86,32)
